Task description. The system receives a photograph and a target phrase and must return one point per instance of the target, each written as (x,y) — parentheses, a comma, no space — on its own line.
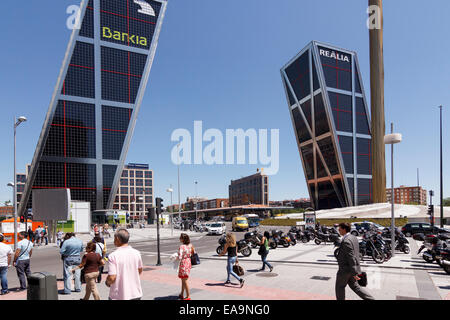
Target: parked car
(216,228)
(367,225)
(410,229)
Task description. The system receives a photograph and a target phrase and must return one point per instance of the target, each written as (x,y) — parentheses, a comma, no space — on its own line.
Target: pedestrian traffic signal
(430,209)
(22,219)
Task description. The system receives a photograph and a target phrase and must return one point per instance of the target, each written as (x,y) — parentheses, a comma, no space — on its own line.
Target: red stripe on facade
(127,17)
(124,74)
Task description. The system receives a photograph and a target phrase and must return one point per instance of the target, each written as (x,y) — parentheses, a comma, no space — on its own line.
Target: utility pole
(377,105)
(442,180)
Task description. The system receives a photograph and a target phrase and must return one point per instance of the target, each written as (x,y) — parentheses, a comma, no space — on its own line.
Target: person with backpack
(264,251)
(100,248)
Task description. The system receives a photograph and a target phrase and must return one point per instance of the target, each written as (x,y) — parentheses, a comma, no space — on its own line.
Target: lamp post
(17,122)
(442,180)
(392,139)
(179,199)
(171,207)
(196,201)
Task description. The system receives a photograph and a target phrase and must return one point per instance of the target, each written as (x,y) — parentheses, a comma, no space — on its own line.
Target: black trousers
(23,268)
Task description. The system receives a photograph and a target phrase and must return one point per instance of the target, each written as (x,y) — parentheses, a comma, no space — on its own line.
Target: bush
(385,222)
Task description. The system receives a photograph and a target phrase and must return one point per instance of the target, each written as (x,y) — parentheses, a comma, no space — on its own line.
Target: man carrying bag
(349,272)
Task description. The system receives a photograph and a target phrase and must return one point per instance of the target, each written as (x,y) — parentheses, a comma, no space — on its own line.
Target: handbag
(238,270)
(82,277)
(195,260)
(262,250)
(362,279)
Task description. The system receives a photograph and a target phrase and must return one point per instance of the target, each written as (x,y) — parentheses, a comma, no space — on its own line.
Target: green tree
(446,202)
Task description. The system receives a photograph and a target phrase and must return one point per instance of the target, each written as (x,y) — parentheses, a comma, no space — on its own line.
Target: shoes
(271,268)
(4,293)
(21,289)
(187,299)
(262,269)
(242,282)
(228,282)
(180,297)
(77,290)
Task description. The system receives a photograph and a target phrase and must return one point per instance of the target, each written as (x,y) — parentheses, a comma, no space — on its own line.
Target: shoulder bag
(195,260)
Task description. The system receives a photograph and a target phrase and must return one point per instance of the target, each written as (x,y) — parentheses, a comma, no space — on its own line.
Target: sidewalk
(303,272)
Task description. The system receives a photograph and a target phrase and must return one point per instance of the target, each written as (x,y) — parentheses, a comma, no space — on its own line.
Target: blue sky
(219,62)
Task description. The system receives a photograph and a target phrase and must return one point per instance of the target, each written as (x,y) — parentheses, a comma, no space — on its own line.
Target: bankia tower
(91,118)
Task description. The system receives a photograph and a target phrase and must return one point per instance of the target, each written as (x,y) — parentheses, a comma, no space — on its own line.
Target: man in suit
(349,265)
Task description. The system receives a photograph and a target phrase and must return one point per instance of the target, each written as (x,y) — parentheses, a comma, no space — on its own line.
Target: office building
(253,189)
(408,195)
(93,111)
(329,114)
(135,193)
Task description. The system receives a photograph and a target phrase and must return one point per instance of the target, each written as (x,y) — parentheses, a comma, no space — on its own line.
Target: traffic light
(22,219)
(128,217)
(430,209)
(159,205)
(151,215)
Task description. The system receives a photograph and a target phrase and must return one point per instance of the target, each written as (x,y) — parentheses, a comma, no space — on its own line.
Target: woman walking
(231,249)
(185,252)
(264,251)
(91,263)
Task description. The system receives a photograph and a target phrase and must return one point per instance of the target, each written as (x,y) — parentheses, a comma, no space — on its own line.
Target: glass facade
(325,98)
(84,140)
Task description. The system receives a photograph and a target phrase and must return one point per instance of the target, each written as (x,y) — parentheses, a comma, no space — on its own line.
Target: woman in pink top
(184,255)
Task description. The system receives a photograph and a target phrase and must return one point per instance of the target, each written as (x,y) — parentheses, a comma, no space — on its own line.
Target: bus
(253,220)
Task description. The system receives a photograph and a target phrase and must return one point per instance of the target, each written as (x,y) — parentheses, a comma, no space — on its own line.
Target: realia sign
(334,55)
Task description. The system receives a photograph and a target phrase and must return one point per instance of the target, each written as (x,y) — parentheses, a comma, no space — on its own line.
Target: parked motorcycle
(330,236)
(303,236)
(253,238)
(443,259)
(367,247)
(401,243)
(243,247)
(280,238)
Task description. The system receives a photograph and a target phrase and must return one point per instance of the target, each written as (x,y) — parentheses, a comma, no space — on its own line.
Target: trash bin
(42,286)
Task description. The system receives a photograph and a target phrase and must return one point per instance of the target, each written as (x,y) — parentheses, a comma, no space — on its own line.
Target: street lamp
(171,207)
(196,201)
(17,122)
(392,139)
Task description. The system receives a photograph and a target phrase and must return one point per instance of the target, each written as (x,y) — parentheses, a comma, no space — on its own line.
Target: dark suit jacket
(348,256)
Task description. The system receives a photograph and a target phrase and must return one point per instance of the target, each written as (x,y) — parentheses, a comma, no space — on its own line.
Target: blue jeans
(230,264)
(69,264)
(264,261)
(4,278)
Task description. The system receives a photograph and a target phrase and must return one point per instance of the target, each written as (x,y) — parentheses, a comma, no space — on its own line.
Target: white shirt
(5,250)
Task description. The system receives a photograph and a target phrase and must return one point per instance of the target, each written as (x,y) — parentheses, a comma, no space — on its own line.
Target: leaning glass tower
(92,115)
(331,123)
